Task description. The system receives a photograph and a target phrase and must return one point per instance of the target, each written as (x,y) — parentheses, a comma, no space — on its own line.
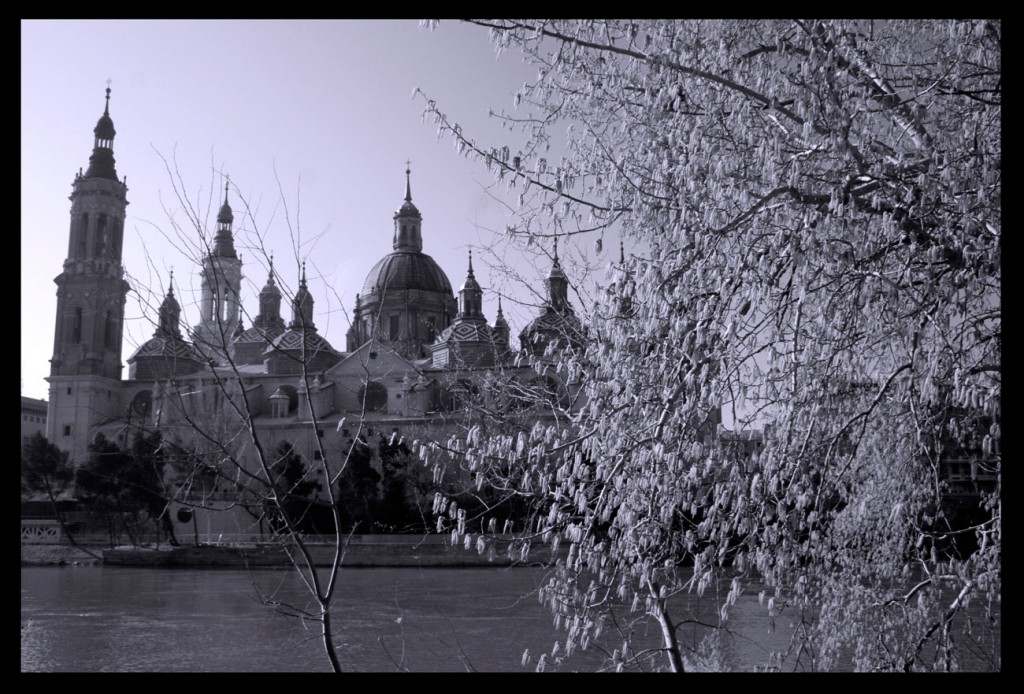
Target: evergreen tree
(45,469)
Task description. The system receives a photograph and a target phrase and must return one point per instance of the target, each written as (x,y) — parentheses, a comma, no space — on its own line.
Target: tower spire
(557,284)
(407,221)
(470,295)
(302,306)
(170,312)
(224,242)
(101,163)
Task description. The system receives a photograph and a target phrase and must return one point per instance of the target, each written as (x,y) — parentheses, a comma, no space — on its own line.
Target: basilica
(413,356)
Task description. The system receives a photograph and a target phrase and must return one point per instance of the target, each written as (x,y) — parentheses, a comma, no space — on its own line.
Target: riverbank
(59,555)
(360,551)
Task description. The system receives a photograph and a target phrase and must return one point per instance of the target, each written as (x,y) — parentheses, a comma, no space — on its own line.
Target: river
(103,618)
(118,619)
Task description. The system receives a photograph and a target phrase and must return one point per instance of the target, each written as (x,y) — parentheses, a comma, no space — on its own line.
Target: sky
(312,121)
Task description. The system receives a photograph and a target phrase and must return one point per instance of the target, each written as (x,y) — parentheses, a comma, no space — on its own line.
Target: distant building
(414,352)
(33,417)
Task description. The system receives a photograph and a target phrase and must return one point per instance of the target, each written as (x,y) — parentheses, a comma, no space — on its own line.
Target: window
(69,391)
(118,236)
(316,454)
(108,330)
(83,234)
(67,430)
(393,326)
(278,408)
(100,239)
(76,326)
(373,396)
(431,329)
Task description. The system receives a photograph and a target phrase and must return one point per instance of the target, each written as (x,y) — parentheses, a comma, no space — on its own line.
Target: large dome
(406,270)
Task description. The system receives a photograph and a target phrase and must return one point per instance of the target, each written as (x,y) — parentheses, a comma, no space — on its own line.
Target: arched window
(118,236)
(100,239)
(108,330)
(83,234)
(142,404)
(76,326)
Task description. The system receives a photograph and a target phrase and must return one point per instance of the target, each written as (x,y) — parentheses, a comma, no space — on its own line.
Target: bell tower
(221,275)
(85,369)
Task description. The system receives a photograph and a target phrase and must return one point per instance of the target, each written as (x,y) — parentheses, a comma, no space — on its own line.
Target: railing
(40,532)
(69,517)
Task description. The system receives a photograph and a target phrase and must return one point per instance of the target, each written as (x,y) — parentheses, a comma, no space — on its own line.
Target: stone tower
(221,276)
(85,369)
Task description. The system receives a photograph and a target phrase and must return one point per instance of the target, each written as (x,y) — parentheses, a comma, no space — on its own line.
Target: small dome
(291,341)
(164,357)
(499,320)
(249,346)
(224,242)
(406,270)
(225,215)
(291,349)
(408,210)
(551,325)
(257,336)
(467,331)
(104,129)
(167,348)
(170,304)
(101,162)
(270,288)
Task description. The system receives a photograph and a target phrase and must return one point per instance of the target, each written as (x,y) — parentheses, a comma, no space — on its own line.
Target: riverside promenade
(360,551)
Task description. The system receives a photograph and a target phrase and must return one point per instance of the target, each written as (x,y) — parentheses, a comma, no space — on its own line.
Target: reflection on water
(89,619)
(117,619)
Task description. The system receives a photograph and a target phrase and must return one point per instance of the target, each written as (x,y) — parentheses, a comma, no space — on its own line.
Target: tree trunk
(668,638)
(328,639)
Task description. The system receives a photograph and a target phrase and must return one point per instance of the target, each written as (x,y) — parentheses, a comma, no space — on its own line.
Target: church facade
(414,355)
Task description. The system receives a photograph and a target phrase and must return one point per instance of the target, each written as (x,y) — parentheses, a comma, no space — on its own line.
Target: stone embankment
(60,555)
(360,551)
